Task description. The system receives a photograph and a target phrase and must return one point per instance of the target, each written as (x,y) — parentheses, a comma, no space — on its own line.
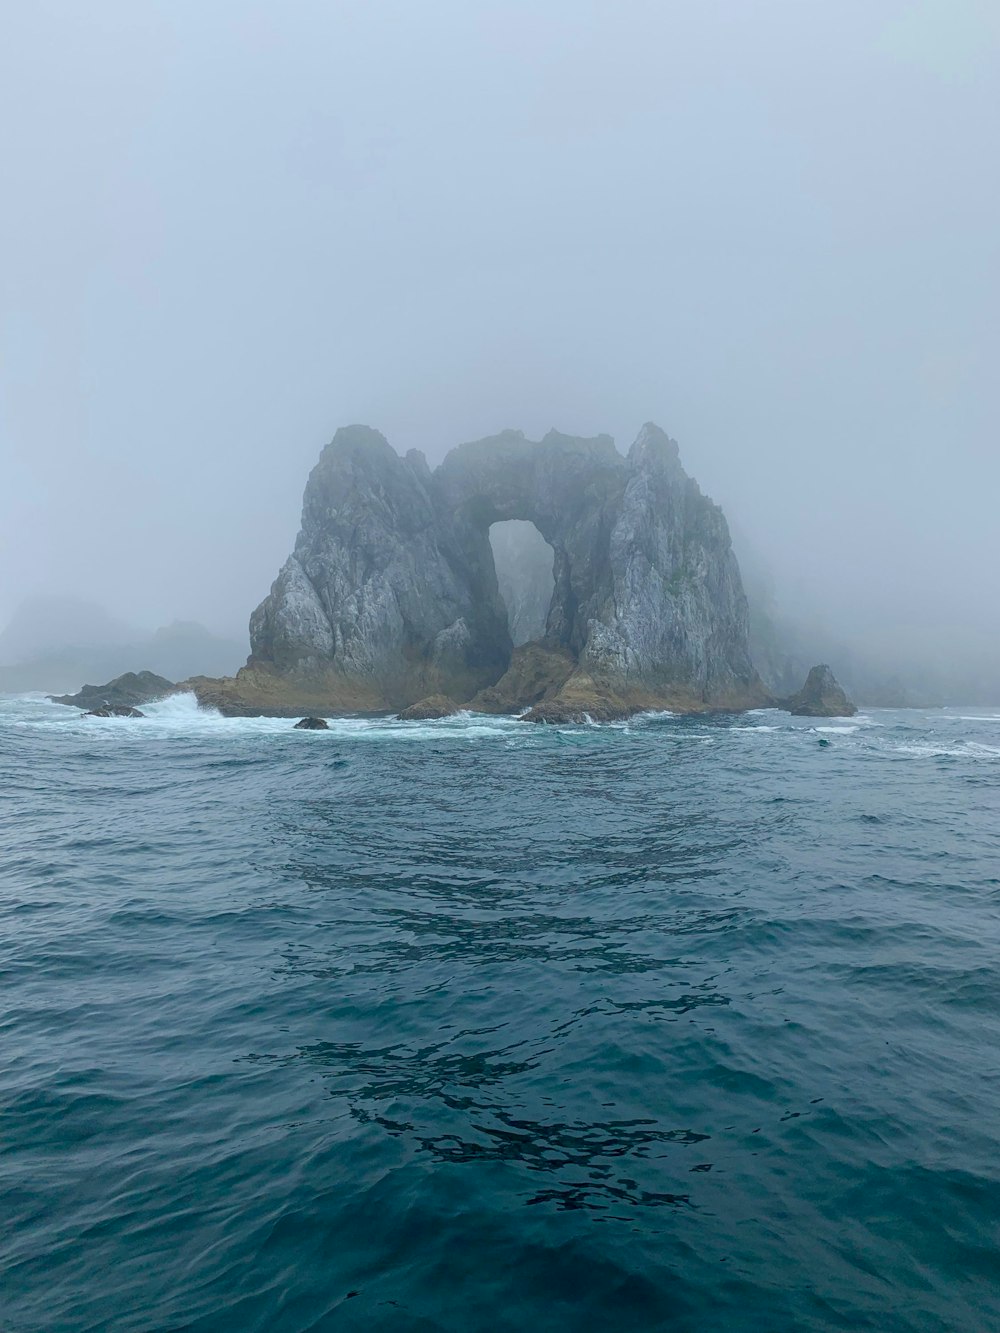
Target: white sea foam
(969,750)
(181,715)
(181,711)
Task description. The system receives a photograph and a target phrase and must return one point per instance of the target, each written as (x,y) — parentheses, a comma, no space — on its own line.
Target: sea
(684,1023)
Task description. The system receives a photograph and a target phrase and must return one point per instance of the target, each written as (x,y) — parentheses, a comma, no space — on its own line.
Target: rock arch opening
(524,563)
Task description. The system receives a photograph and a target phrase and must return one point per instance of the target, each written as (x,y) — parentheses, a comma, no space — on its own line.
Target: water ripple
(684,1023)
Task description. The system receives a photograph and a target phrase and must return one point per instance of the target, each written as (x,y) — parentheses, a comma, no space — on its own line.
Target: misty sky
(228,228)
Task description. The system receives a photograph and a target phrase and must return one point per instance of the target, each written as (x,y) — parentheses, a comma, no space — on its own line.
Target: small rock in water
(312,724)
(425,710)
(142,687)
(820,696)
(114,710)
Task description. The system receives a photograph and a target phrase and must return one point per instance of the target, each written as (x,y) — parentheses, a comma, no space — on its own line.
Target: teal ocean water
(684,1024)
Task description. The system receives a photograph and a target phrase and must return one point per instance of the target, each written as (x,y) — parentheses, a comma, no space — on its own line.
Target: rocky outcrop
(114,710)
(134,687)
(537,671)
(312,724)
(258,692)
(820,696)
(581,701)
(391,595)
(429,709)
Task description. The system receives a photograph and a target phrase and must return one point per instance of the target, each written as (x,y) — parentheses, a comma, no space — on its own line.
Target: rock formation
(429,709)
(390,594)
(537,671)
(114,710)
(134,687)
(312,724)
(820,696)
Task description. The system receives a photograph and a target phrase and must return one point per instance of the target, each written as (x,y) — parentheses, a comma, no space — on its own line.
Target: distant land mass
(59,643)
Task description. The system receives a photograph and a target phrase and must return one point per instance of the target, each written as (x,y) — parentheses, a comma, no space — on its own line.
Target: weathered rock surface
(427,710)
(312,724)
(391,596)
(537,672)
(114,710)
(581,701)
(134,687)
(820,696)
(380,590)
(257,692)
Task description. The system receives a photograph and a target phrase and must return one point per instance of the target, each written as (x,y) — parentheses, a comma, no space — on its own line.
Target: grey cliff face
(377,589)
(391,593)
(676,614)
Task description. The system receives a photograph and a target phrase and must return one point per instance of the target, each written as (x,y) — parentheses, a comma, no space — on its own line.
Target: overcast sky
(228,228)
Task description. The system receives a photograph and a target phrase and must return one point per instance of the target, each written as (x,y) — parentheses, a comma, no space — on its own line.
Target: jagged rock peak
(651,439)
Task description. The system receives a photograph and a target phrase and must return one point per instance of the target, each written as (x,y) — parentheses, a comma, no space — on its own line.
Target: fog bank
(773,229)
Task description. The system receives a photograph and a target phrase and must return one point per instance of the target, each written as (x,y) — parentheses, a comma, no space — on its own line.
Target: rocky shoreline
(540,677)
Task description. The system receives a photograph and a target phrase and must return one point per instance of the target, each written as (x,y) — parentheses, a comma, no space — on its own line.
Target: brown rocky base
(430,709)
(563,711)
(582,699)
(543,683)
(536,672)
(254,692)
